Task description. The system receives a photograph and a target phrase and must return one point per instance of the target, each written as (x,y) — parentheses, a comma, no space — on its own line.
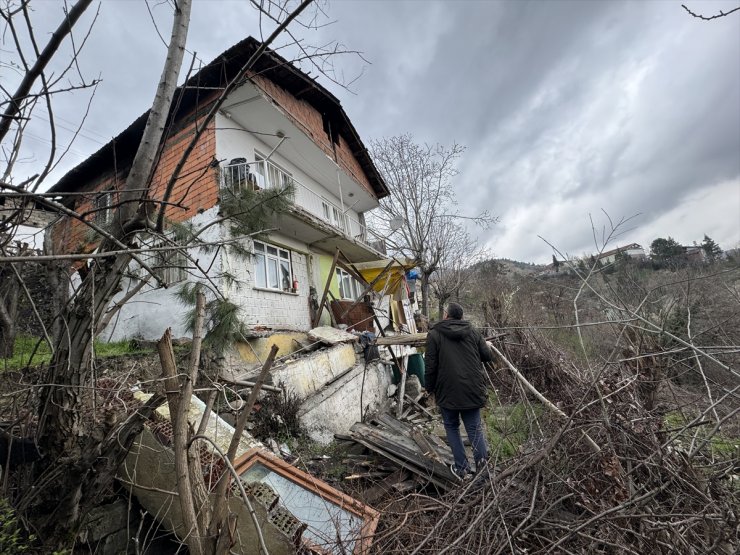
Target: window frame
(278,258)
(324,491)
(169,265)
(103,211)
(355,286)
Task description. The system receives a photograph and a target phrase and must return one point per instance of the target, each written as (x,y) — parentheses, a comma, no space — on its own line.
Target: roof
(620,249)
(216,74)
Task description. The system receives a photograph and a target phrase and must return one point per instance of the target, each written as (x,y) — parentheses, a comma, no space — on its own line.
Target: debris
(331,336)
(413,387)
(408,339)
(409,447)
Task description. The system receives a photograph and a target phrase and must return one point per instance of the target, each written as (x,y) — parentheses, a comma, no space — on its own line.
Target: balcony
(264,174)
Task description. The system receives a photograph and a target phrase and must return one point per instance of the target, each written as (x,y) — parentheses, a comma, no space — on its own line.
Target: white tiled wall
(274,309)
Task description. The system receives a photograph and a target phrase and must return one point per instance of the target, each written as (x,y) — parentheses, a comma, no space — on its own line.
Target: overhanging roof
(217,74)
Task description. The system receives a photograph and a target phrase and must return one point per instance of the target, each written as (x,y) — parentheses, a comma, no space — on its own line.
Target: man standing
(454,374)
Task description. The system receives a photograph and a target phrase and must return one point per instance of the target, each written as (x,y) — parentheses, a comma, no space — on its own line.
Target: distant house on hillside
(279,127)
(694,253)
(633,250)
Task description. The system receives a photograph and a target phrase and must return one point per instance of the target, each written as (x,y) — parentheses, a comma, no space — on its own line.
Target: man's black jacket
(453,369)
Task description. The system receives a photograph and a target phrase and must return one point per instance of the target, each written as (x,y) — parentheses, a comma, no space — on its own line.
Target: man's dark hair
(454,311)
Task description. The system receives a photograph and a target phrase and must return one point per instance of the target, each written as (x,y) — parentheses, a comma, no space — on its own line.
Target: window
(272,267)
(349,287)
(170,266)
(327,514)
(102,211)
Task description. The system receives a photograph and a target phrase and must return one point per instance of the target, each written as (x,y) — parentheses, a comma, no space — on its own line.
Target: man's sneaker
(461,475)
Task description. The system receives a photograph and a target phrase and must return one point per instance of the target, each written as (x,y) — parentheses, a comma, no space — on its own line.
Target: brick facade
(274,309)
(311,122)
(197,188)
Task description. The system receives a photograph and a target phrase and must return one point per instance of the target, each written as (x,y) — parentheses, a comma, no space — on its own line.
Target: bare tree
(78,464)
(416,218)
(721,13)
(456,267)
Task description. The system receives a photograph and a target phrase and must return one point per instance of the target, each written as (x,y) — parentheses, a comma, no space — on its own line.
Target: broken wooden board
(395,441)
(410,339)
(391,482)
(331,336)
(441,449)
(414,339)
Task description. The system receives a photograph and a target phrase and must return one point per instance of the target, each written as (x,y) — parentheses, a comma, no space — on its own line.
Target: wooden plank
(410,453)
(415,402)
(426,447)
(426,475)
(402,385)
(393,424)
(410,339)
(400,476)
(403,429)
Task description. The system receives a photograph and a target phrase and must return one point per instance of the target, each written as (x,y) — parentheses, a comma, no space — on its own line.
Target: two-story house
(280,126)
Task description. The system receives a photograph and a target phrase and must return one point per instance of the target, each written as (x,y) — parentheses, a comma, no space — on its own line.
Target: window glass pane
(259,247)
(260,271)
(285,275)
(325,519)
(346,285)
(339,281)
(272,251)
(284,254)
(272,273)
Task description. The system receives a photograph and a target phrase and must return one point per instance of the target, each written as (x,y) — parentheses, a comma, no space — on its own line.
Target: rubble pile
(632,490)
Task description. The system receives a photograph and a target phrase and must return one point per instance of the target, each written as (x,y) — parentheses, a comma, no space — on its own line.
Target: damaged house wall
(336,406)
(335,387)
(280,114)
(291,507)
(154,309)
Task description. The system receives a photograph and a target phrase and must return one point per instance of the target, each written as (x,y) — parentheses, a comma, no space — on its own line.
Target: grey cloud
(565,107)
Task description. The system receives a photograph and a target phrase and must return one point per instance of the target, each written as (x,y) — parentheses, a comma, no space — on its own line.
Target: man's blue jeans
(473,427)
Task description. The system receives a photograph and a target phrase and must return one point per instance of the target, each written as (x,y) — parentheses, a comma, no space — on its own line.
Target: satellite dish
(396,223)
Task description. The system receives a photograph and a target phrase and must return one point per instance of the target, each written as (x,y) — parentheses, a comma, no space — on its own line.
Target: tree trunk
(425,293)
(7,340)
(57,278)
(8,316)
(63,404)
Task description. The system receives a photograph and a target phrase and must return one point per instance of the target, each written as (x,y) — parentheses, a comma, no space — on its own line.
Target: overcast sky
(565,108)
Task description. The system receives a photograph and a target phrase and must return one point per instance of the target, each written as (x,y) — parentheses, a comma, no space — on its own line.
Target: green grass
(568,340)
(720,445)
(27,354)
(508,426)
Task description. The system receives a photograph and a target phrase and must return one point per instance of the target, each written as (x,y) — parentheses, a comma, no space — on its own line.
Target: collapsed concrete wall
(305,376)
(335,407)
(149,472)
(334,385)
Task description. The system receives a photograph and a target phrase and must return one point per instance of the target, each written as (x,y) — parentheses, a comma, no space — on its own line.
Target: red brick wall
(196,189)
(310,121)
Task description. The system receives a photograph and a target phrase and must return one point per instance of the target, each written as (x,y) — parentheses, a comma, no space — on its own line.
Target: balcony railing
(263,174)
